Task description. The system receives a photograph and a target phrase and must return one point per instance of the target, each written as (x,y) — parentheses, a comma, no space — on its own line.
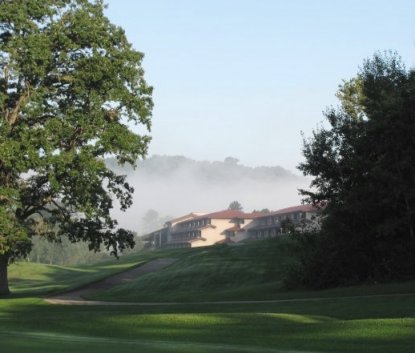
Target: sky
(244,78)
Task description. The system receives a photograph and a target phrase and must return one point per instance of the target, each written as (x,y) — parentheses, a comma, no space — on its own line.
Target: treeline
(363,166)
(65,253)
(218,171)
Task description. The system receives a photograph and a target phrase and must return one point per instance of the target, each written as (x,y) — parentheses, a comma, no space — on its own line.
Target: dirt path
(75,297)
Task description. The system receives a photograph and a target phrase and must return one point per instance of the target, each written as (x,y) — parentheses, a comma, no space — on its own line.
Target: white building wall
(213,235)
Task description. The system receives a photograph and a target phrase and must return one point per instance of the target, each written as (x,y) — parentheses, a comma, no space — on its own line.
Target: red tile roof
(300,208)
(230,214)
(189,216)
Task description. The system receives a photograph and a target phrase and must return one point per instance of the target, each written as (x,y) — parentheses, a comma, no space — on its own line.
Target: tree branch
(11,116)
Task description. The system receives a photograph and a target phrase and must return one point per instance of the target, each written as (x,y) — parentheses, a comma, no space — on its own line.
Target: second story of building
(303,217)
(208,229)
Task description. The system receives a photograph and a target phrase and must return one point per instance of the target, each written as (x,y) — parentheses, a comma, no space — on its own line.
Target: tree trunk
(4,282)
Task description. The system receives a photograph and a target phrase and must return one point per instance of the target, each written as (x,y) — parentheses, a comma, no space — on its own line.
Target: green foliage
(70,85)
(364,169)
(235,205)
(63,252)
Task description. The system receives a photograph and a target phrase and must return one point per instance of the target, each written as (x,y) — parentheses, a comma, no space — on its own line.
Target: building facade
(298,218)
(196,229)
(230,226)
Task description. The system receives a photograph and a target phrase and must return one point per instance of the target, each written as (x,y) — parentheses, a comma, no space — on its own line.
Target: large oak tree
(71,87)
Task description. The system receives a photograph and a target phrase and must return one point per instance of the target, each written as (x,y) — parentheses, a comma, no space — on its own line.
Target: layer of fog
(168,187)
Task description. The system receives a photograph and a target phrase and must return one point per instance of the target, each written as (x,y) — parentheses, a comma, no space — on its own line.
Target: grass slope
(381,324)
(213,273)
(26,278)
(222,273)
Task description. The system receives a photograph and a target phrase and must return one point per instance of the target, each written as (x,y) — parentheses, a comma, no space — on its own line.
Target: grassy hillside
(381,323)
(254,271)
(27,278)
(212,273)
(33,278)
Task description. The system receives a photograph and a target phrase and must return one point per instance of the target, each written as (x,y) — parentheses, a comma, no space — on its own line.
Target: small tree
(235,205)
(70,87)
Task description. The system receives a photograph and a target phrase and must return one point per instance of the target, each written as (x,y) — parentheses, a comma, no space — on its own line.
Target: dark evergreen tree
(364,170)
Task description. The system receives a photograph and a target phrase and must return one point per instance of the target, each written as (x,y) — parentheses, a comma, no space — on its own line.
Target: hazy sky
(242,78)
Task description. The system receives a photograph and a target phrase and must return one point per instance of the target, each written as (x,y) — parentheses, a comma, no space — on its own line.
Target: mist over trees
(176,185)
(364,170)
(64,252)
(153,220)
(206,171)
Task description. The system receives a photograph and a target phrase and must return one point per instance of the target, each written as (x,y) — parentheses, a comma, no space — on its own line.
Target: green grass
(343,322)
(222,273)
(32,278)
(213,273)
(381,324)
(27,278)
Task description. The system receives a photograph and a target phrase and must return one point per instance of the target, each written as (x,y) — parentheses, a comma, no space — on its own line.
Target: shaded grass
(26,278)
(32,278)
(381,324)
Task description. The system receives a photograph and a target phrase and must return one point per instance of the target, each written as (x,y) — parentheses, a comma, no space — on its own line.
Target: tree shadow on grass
(258,326)
(28,279)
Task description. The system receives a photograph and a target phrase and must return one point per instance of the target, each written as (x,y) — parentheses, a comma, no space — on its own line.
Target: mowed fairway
(380,324)
(353,320)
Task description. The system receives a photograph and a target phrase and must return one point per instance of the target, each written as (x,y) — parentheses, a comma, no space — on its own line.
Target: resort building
(297,218)
(230,226)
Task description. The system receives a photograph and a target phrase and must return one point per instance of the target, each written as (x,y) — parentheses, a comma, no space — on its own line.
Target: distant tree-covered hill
(176,185)
(227,170)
